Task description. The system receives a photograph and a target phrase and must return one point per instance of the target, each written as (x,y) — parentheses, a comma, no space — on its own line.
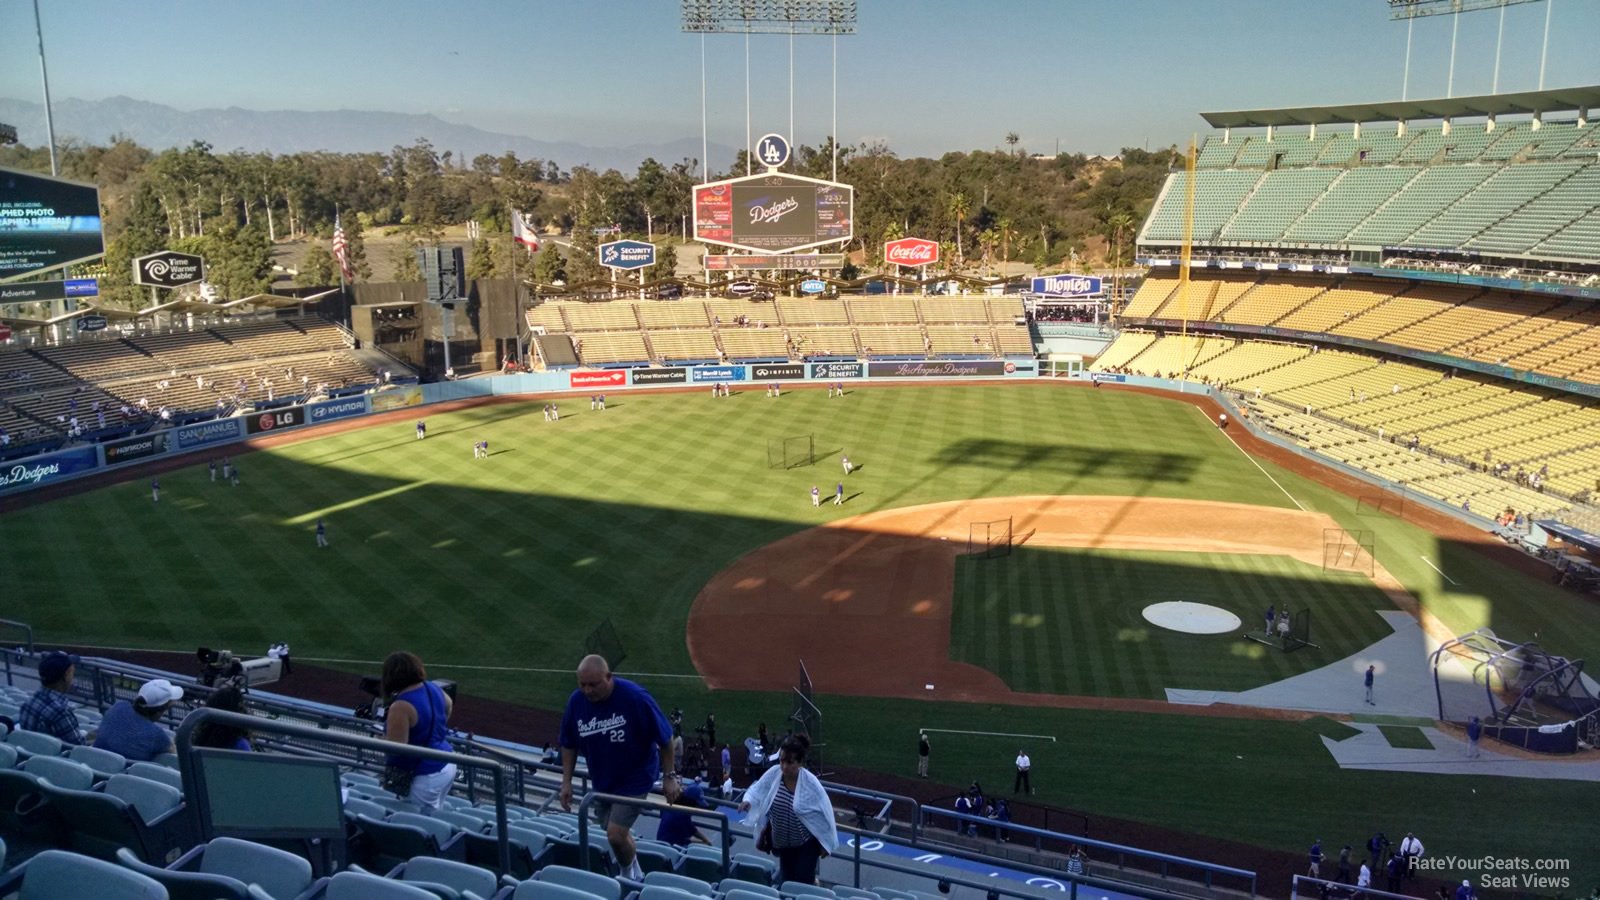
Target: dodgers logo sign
(627,255)
(1067,286)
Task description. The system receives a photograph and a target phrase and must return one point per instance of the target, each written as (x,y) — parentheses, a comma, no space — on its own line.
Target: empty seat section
(954,310)
(1151,295)
(753,343)
(885,310)
(685,346)
(677,314)
(891,341)
(822,341)
(794,311)
(601,348)
(604,316)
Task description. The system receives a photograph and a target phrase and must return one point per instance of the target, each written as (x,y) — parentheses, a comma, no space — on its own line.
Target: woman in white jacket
(791,814)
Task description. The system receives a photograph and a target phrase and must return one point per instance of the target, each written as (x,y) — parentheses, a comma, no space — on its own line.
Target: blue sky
(926,76)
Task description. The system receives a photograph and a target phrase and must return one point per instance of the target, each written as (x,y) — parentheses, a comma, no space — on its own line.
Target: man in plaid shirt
(48,711)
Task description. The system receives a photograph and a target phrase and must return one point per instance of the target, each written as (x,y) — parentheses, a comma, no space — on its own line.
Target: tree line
(984,207)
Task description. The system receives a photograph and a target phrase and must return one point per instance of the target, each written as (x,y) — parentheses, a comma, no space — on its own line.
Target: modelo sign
(1067,286)
(627,255)
(911,252)
(168,269)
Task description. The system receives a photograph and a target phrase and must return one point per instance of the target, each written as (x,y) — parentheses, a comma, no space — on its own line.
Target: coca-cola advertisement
(911,252)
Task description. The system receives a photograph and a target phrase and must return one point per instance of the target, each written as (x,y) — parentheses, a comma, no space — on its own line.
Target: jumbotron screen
(46,223)
(773,213)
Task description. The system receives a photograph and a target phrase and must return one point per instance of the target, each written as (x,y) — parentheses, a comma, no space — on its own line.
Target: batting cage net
(1523,694)
(1285,629)
(791,452)
(604,642)
(989,540)
(1348,551)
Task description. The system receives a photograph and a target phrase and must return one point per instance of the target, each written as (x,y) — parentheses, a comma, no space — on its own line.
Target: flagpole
(516,285)
(339,264)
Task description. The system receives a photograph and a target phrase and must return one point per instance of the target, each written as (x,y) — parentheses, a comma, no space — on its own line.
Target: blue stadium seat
(892,894)
(702,862)
(566,852)
(103,762)
(151,798)
(32,743)
(529,852)
(744,894)
(192,885)
(54,874)
(728,885)
(356,806)
(388,844)
(545,890)
(755,867)
(59,772)
(801,889)
(8,756)
(366,886)
(98,823)
(281,874)
(662,892)
(694,886)
(853,893)
(602,886)
(462,878)
(153,772)
(658,857)
(460,820)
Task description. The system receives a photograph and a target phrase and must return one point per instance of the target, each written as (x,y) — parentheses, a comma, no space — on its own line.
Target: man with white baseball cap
(130,728)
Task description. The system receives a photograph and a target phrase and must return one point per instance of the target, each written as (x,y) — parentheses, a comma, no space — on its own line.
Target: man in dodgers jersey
(627,743)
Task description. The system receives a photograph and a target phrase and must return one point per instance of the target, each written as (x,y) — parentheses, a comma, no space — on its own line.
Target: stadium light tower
(803,17)
(1412,10)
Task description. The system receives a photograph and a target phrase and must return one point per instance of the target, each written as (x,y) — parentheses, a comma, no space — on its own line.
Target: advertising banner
(911,252)
(1022,369)
(38,470)
(46,223)
(389,401)
(942,369)
(129,449)
(778,371)
(607,378)
(168,269)
(91,323)
(716,262)
(829,371)
(190,437)
(718,373)
(627,255)
(1067,286)
(275,419)
(675,375)
(342,408)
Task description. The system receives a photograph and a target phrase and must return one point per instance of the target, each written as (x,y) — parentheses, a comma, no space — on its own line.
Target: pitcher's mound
(1191,618)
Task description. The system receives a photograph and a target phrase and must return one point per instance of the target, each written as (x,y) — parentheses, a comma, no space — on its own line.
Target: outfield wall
(61,466)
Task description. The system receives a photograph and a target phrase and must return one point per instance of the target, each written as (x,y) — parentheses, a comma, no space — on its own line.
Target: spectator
(627,743)
(130,728)
(923,749)
(678,828)
(967,805)
(227,737)
(417,714)
(792,814)
(1077,861)
(49,711)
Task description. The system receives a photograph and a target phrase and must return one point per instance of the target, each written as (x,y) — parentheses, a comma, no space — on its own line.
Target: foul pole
(1188,252)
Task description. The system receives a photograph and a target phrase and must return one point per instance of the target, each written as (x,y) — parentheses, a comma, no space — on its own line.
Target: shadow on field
(1069,459)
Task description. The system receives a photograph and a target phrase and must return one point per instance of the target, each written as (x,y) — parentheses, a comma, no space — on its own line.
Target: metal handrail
(889,800)
(27,630)
(725,825)
(186,764)
(1122,851)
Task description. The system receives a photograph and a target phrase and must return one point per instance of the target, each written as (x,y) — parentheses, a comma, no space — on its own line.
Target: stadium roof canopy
(1524,102)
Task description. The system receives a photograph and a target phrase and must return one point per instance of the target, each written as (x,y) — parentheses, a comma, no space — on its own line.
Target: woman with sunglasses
(792,814)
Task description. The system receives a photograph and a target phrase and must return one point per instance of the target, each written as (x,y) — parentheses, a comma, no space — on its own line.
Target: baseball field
(662,514)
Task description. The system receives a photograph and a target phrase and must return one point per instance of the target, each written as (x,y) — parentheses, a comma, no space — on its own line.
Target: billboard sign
(717,373)
(832,370)
(773,213)
(627,255)
(216,431)
(37,470)
(674,375)
(91,323)
(168,269)
(813,286)
(911,252)
(604,378)
(1067,286)
(951,369)
(46,223)
(772,150)
(778,371)
(133,448)
(342,408)
(719,262)
(275,419)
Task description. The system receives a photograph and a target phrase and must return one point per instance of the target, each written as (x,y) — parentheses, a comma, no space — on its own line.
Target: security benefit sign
(46,223)
(773,213)
(627,255)
(168,269)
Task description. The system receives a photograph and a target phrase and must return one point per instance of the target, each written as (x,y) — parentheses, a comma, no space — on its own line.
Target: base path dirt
(867,601)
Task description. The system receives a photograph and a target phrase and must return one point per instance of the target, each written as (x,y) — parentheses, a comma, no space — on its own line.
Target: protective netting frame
(1383,502)
(1522,693)
(989,540)
(1299,632)
(1349,551)
(805,717)
(791,452)
(604,642)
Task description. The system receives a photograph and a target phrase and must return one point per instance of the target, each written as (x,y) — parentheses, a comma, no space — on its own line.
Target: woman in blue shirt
(210,734)
(417,715)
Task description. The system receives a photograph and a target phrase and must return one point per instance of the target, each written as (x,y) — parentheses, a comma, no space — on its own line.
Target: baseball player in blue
(155,491)
(322,534)
(816,496)
(422,429)
(838,495)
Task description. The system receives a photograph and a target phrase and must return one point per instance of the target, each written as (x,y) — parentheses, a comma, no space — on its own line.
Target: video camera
(220,668)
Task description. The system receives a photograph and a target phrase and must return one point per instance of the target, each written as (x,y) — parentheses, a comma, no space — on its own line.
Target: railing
(724,823)
(25,628)
(932,808)
(1306,886)
(186,763)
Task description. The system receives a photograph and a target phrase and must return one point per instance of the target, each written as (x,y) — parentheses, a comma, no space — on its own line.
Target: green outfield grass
(1069,621)
(507,563)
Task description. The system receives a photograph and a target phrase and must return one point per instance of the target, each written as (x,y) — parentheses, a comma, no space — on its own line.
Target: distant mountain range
(344,131)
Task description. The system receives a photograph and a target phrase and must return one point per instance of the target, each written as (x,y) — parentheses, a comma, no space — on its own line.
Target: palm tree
(959,206)
(1119,222)
(1011,141)
(1004,228)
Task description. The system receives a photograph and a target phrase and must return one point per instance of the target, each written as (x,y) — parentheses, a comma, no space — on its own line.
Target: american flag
(341,251)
